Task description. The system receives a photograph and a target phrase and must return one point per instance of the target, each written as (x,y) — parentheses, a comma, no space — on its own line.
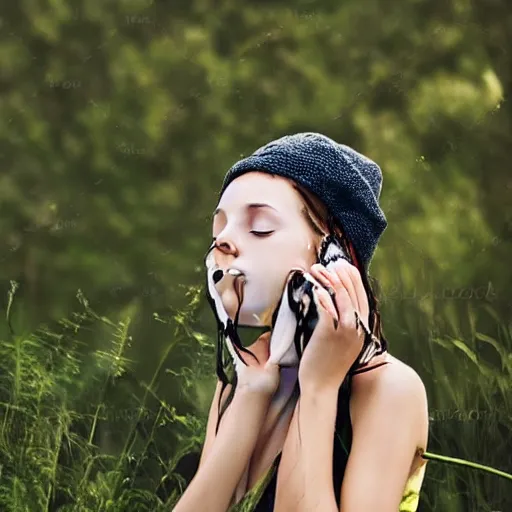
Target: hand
(263,377)
(331,351)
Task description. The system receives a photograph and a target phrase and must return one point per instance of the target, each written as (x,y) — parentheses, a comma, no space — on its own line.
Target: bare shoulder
(395,389)
(396,372)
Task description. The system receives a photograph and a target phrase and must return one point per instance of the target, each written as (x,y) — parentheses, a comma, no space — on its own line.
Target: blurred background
(118,120)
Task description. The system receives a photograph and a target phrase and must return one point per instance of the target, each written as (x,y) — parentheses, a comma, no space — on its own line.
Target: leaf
(462,346)
(443,343)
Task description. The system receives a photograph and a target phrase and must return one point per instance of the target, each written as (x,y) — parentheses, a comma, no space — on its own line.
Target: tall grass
(58,411)
(79,432)
(462,349)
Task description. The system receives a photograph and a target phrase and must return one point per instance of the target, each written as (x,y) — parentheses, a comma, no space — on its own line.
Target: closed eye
(261,233)
(254,232)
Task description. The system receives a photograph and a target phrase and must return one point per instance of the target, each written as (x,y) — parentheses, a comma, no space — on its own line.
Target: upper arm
(389,422)
(212,420)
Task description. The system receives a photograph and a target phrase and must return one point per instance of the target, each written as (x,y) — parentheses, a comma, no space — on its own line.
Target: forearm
(217,478)
(305,479)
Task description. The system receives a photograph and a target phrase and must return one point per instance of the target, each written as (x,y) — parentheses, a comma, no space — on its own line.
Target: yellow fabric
(250,500)
(411,496)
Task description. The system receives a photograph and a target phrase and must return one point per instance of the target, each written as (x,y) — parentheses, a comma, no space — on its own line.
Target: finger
(325,300)
(327,284)
(342,300)
(362,297)
(340,268)
(321,278)
(326,308)
(351,279)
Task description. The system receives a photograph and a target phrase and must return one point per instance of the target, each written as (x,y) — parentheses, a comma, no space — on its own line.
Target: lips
(232,278)
(234,272)
(219,274)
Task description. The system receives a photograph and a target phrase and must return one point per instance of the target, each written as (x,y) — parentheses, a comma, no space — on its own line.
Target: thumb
(271,366)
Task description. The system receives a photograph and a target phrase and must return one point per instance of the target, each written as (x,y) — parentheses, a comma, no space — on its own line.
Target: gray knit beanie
(347,182)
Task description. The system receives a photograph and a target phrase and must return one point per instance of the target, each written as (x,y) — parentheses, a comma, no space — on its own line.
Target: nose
(226,245)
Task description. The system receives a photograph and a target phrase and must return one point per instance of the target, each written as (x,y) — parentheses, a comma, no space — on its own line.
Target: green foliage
(60,403)
(58,411)
(467,374)
(118,120)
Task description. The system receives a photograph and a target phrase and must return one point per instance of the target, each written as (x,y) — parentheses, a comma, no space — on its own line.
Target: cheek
(273,259)
(301,251)
(289,252)
(271,267)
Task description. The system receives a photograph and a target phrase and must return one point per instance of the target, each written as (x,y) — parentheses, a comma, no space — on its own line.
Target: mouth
(235,272)
(239,282)
(219,274)
(230,277)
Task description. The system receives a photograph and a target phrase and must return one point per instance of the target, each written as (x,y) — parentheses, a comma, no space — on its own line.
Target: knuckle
(347,319)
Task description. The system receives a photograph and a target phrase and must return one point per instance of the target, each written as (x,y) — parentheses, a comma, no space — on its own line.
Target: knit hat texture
(347,182)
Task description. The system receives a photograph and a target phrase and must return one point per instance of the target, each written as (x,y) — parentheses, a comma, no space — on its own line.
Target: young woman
(326,431)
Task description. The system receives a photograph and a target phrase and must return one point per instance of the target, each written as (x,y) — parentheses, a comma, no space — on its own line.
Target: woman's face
(259,230)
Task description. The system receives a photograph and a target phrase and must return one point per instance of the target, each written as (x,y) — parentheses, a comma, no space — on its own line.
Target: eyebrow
(249,207)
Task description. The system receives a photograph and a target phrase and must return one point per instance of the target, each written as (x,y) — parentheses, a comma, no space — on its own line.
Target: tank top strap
(362,370)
